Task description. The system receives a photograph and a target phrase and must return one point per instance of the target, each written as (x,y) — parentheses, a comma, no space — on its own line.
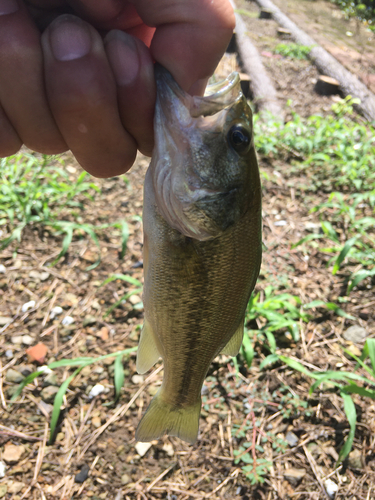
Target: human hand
(85,82)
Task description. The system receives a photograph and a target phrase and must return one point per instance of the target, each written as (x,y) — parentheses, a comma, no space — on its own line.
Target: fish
(202,245)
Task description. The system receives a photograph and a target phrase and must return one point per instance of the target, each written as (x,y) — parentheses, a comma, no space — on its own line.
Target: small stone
(17,264)
(72,299)
(37,353)
(355,459)
(17,339)
(3,269)
(82,475)
(354,350)
(134,299)
(355,334)
(137,379)
(9,353)
(46,406)
(292,439)
(13,376)
(96,421)
(331,488)
(294,476)
(104,333)
(2,469)
(45,370)
(13,453)
(35,275)
(168,448)
(27,339)
(55,311)
(4,320)
(3,490)
(96,390)
(125,479)
(28,305)
(50,379)
(89,320)
(68,320)
(142,448)
(44,276)
(15,487)
(48,393)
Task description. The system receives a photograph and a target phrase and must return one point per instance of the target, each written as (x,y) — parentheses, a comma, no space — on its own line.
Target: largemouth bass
(202,245)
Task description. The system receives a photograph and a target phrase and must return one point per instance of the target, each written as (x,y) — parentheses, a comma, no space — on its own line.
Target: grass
(80,363)
(293,50)
(363,9)
(335,152)
(36,191)
(348,231)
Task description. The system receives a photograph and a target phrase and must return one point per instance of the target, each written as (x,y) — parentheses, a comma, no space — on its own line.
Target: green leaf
(355,389)
(344,252)
(123,277)
(269,360)
(329,231)
(370,344)
(351,415)
(247,349)
(119,376)
(358,277)
(271,341)
(307,238)
(25,382)
(59,400)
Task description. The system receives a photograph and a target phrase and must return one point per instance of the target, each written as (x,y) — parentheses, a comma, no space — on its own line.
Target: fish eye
(239,138)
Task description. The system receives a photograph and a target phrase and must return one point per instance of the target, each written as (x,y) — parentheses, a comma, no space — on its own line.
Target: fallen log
(327,64)
(264,92)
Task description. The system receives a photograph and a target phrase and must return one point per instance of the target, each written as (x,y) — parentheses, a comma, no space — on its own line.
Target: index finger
(191,35)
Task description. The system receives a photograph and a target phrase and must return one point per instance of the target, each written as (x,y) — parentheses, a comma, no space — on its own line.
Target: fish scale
(196,287)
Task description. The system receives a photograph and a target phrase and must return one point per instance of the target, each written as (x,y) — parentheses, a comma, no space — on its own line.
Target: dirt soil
(95,436)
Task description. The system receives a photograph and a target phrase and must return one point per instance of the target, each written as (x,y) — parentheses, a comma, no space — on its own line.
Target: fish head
(204,164)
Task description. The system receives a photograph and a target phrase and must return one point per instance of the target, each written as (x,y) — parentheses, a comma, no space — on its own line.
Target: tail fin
(163,418)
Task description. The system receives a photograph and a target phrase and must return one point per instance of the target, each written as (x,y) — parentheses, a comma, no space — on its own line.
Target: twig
(119,413)
(3,402)
(14,433)
(149,488)
(315,470)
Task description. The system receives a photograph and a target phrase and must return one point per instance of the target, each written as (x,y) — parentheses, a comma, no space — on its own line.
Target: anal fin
(148,353)
(234,345)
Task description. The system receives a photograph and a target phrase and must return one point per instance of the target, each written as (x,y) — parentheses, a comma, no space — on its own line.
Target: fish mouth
(177,103)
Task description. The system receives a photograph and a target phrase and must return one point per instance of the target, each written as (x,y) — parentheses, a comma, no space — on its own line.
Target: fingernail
(8,7)
(69,38)
(123,56)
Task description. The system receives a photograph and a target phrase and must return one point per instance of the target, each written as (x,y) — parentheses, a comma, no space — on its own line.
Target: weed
(278,313)
(34,192)
(293,50)
(351,229)
(336,152)
(363,9)
(346,383)
(80,363)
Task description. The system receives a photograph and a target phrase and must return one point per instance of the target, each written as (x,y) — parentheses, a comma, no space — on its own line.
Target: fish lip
(218,96)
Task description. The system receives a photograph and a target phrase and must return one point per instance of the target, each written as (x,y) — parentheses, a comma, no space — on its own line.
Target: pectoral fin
(233,346)
(148,353)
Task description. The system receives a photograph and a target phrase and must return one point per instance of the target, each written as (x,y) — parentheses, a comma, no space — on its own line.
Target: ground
(266,414)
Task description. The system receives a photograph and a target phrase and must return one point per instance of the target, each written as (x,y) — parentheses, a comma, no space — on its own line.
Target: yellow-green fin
(234,345)
(163,418)
(148,353)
